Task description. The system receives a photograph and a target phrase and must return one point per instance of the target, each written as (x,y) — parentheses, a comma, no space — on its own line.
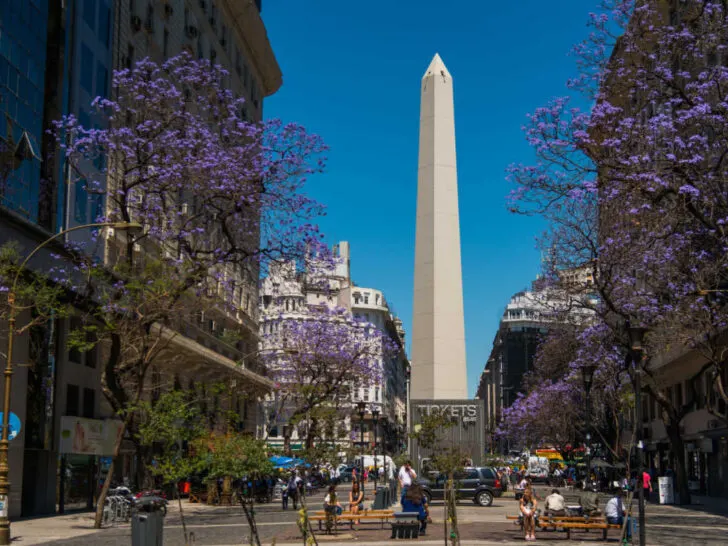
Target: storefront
(86,446)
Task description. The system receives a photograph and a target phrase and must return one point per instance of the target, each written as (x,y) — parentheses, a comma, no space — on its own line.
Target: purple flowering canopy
(318,360)
(181,159)
(634,186)
(219,198)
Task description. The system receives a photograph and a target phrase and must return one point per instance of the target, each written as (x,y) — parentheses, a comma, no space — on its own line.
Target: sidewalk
(41,530)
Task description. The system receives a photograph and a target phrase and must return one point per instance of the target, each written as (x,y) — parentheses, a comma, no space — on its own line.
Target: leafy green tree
(170,426)
(243,457)
(448,458)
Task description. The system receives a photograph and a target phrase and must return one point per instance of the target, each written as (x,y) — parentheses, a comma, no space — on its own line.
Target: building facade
(55,58)
(287,293)
(526,320)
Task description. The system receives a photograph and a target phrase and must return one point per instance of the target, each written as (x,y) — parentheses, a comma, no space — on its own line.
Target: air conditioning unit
(168,10)
(191,31)
(136,23)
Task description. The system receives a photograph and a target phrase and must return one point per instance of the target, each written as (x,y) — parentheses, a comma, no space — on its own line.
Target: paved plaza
(222,526)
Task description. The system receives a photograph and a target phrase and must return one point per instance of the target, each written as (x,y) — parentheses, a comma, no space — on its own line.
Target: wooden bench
(587,526)
(197,497)
(351,518)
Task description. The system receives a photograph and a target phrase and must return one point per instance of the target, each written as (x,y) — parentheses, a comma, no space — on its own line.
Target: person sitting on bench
(589,502)
(615,513)
(555,504)
(415,501)
(331,502)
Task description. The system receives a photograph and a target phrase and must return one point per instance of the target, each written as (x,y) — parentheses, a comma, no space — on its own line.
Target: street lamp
(375,419)
(361,408)
(12,315)
(636,339)
(587,374)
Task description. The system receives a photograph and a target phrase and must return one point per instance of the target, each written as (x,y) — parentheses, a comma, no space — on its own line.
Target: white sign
(467,413)
(89,436)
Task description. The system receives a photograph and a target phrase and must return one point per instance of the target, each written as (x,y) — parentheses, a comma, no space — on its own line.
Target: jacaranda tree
(317,360)
(633,184)
(218,198)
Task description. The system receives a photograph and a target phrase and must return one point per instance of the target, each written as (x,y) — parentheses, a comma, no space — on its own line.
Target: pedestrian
(615,513)
(416,501)
(406,476)
(356,499)
(528,509)
(555,504)
(647,484)
(331,502)
(292,489)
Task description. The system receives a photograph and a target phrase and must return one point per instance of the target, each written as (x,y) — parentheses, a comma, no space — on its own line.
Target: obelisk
(438,330)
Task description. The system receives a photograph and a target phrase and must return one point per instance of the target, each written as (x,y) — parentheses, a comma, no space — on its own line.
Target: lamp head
(361,407)
(636,337)
(129,227)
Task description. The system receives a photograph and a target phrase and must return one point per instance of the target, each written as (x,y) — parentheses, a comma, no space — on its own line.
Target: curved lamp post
(587,374)
(12,315)
(636,338)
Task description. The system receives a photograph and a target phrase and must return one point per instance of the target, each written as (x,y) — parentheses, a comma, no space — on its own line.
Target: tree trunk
(678,448)
(109,476)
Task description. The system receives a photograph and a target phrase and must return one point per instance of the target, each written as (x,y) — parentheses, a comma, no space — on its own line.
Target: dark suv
(480,484)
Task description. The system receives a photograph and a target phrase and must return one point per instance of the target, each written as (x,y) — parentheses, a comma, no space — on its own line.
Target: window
(87,69)
(366,298)
(165,44)
(89,403)
(72,395)
(102,81)
(89,12)
(80,212)
(129,56)
(104,31)
(74,355)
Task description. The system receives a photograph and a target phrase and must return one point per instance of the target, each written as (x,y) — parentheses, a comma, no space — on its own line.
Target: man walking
(406,476)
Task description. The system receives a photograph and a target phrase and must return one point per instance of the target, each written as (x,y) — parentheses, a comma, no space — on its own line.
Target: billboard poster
(83,436)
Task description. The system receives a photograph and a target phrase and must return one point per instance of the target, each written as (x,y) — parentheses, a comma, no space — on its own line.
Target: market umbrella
(598,463)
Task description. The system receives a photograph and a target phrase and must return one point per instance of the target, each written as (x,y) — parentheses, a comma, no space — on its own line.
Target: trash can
(147,521)
(380,502)
(665,489)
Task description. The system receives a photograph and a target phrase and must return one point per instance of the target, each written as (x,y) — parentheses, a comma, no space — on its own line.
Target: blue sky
(351,73)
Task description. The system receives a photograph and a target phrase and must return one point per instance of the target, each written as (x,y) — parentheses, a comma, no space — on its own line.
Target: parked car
(481,484)
(346,474)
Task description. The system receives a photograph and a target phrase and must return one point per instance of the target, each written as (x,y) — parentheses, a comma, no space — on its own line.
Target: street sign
(14,425)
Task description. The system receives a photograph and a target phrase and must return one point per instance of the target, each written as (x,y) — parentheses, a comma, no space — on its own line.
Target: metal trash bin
(380,499)
(147,521)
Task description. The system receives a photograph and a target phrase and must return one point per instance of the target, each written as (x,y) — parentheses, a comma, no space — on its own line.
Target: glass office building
(23,27)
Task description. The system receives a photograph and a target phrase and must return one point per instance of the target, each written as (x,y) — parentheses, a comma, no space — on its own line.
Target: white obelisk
(438,330)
